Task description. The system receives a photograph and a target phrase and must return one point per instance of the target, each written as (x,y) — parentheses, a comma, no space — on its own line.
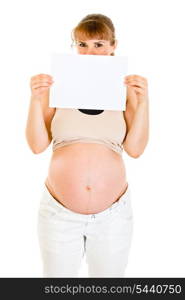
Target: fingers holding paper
(139,86)
(40,85)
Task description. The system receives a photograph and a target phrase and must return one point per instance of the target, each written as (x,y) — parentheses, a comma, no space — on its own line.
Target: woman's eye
(99,45)
(81,44)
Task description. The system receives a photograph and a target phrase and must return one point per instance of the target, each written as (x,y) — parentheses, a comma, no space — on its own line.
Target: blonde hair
(95,26)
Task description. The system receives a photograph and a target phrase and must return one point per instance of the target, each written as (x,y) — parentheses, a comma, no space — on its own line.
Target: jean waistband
(46,196)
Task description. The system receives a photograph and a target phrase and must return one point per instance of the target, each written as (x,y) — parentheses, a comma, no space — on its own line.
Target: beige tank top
(71,125)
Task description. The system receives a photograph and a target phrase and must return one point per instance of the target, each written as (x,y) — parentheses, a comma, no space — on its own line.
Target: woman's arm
(138,134)
(136,115)
(36,131)
(40,115)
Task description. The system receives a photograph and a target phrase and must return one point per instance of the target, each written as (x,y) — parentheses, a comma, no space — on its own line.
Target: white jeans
(65,236)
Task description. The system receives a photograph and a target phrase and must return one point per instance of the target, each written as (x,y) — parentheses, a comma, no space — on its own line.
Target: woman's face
(94,47)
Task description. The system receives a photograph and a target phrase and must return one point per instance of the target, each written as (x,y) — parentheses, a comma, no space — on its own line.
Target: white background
(151,33)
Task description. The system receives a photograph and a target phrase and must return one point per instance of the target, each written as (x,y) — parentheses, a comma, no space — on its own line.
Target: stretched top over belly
(106,127)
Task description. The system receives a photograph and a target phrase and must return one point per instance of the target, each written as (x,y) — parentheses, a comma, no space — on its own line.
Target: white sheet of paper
(88,81)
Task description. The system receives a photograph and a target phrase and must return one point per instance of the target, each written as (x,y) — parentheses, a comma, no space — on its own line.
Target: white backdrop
(151,33)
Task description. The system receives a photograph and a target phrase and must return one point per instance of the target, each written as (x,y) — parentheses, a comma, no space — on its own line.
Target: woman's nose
(91,51)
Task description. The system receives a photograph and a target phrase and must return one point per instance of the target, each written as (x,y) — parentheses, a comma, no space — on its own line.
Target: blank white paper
(88,81)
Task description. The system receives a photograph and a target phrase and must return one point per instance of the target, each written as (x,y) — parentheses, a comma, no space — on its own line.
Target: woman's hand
(40,85)
(139,86)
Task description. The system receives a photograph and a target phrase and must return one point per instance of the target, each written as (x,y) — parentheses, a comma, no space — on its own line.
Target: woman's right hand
(40,85)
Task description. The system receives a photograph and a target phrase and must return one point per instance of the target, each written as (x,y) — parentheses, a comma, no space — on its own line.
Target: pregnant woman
(85,206)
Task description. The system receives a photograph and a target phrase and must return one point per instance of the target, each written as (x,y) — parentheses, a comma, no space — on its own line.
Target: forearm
(36,131)
(138,134)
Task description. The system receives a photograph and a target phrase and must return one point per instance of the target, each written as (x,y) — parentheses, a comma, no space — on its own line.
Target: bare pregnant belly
(85,177)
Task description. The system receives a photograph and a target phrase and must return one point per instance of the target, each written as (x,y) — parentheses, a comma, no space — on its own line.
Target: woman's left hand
(139,85)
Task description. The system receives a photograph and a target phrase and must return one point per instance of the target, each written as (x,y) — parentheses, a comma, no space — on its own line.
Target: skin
(95,47)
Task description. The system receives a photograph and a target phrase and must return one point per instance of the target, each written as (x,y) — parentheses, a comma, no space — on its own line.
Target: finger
(35,86)
(136,83)
(41,76)
(137,77)
(42,81)
(139,90)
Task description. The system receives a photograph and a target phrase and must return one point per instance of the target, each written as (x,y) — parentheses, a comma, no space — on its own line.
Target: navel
(88,187)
